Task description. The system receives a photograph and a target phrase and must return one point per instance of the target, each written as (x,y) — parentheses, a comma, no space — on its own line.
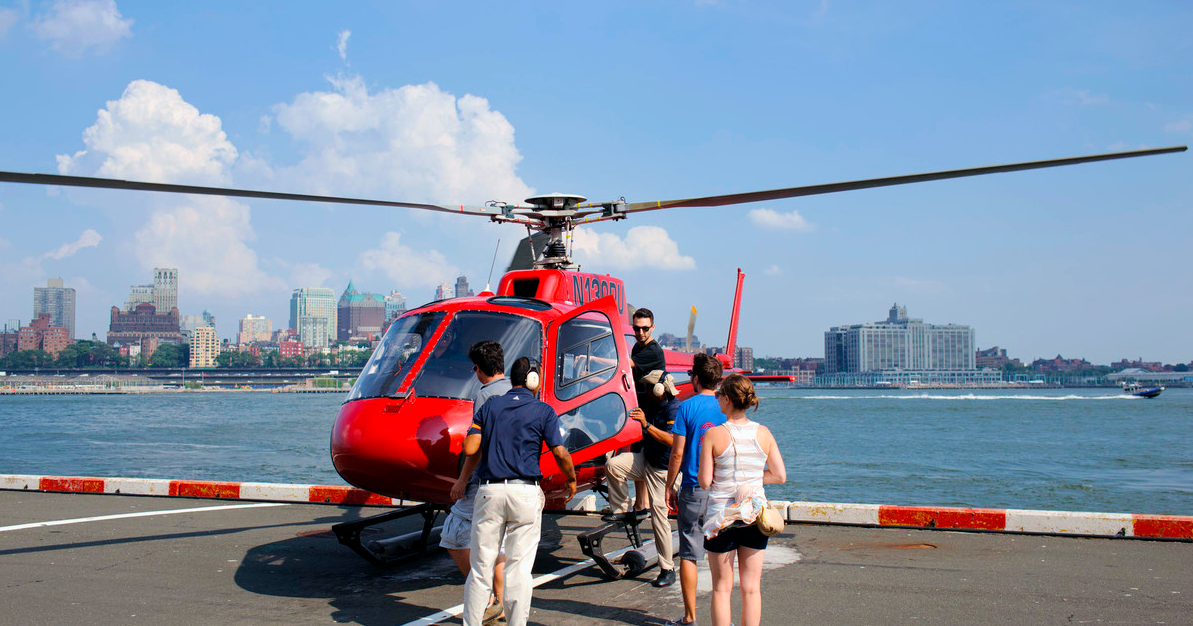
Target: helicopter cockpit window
(592,422)
(448,371)
(391,361)
(587,355)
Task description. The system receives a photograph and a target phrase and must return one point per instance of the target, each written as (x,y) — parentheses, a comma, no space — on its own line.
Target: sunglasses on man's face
(642,329)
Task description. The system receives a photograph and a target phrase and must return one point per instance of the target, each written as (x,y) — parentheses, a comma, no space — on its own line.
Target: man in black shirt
(647,357)
(647,354)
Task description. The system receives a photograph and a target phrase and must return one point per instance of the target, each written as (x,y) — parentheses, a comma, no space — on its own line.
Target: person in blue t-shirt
(509,433)
(696,415)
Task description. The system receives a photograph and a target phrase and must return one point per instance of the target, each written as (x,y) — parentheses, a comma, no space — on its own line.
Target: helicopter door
(590,385)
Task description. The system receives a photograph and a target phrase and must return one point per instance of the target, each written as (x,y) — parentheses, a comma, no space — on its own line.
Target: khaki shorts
(457,534)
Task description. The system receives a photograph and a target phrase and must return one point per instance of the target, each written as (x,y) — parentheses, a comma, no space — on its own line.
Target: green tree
(28,359)
(171,355)
(237,359)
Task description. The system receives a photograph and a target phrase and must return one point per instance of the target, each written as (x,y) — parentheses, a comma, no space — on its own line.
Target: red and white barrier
(1000,520)
(997,520)
(266,492)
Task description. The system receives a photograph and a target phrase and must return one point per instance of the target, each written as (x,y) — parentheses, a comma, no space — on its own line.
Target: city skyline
(362,101)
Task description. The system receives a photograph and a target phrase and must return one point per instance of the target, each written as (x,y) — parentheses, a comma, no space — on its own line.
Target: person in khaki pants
(656,414)
(509,432)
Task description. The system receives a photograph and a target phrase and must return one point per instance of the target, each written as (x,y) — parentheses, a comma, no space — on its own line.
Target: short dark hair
(707,369)
(645,313)
(488,357)
(520,369)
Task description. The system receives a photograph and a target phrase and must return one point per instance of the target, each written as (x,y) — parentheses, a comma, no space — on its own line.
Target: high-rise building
(165,288)
(254,329)
(313,315)
(462,289)
(443,292)
(395,305)
(205,347)
(744,358)
(41,334)
(58,302)
(899,343)
(359,315)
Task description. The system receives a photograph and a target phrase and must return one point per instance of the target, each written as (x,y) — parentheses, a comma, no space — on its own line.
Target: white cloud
(1081,97)
(1180,126)
(770,218)
(821,11)
(921,285)
(342,44)
(207,240)
(89,239)
(152,134)
(643,247)
(414,143)
(405,266)
(305,274)
(8,17)
(74,26)
(773,270)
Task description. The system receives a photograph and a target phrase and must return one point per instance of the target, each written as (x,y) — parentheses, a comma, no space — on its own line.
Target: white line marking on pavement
(458,610)
(80,520)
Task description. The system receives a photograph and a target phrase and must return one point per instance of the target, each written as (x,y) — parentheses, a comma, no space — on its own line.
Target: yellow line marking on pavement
(80,520)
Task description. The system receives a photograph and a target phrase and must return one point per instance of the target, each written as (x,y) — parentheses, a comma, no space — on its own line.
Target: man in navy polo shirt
(509,432)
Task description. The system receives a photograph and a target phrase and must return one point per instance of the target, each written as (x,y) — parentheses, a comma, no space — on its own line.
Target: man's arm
(472,444)
(470,462)
(674,464)
(565,463)
(662,436)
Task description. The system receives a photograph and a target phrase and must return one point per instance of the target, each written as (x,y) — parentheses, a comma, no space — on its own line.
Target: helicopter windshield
(391,361)
(448,371)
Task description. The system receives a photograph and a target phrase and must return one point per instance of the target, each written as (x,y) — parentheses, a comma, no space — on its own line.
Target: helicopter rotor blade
(111,183)
(811,190)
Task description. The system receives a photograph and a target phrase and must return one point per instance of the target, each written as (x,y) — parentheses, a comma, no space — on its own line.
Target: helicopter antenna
(494,262)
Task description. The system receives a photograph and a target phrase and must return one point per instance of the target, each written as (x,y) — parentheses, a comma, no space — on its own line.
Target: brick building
(40,335)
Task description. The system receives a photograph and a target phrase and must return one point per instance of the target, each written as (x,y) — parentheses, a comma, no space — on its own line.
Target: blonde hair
(740,392)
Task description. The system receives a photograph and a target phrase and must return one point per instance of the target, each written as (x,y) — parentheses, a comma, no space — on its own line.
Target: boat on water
(1135,389)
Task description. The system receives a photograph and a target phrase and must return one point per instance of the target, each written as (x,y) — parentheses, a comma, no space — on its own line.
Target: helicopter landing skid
(387,552)
(633,562)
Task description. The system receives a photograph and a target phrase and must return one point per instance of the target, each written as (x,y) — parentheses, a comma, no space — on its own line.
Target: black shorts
(736,537)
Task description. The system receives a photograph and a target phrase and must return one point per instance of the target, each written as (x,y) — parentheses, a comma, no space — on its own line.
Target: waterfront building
(443,292)
(359,315)
(130,327)
(58,302)
(395,305)
(254,330)
(899,343)
(994,358)
(41,334)
(313,315)
(205,347)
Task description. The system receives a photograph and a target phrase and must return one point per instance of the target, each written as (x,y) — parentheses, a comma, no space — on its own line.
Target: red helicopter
(401,429)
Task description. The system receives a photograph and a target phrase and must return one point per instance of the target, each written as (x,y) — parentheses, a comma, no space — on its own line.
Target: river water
(1064,449)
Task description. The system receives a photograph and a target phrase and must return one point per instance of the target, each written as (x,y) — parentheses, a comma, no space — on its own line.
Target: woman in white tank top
(738,457)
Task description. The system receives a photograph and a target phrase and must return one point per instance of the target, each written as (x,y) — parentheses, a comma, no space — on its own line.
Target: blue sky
(468,102)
